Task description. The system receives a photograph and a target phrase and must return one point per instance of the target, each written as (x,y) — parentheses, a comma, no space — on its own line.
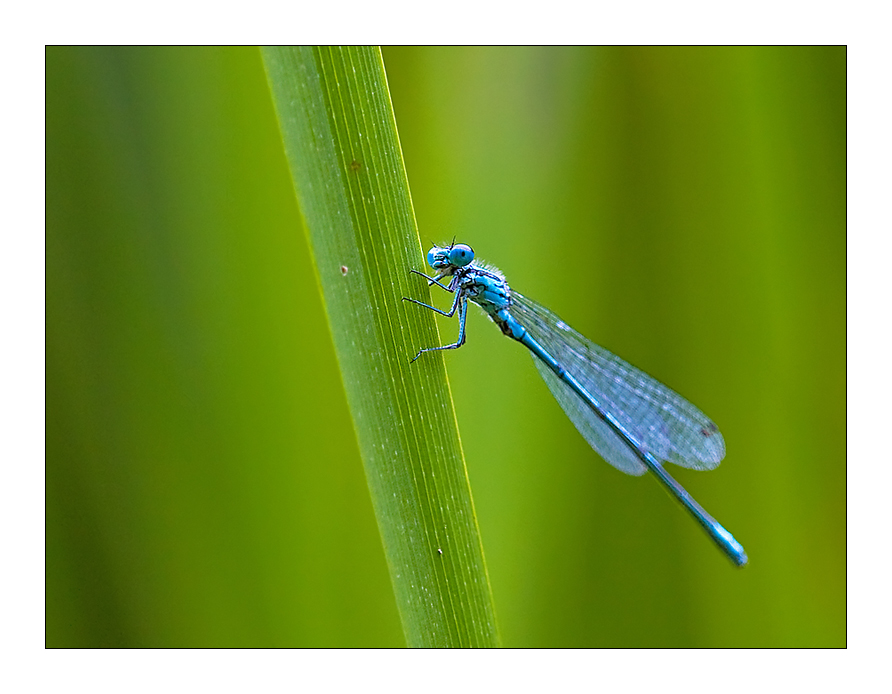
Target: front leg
(458,298)
(436,280)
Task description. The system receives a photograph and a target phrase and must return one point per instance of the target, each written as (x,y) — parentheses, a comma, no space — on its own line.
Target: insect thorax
(487,288)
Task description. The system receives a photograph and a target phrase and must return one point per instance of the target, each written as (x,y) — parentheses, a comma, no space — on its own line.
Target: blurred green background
(685,208)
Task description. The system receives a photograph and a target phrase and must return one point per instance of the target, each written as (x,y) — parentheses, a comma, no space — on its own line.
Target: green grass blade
(340,137)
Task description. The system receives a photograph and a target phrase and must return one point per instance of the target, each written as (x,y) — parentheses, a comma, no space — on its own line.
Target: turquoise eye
(461,255)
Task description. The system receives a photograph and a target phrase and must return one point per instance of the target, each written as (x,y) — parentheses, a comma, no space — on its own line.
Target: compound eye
(461,255)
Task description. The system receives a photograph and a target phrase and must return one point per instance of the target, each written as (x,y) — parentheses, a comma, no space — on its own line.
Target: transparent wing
(666,424)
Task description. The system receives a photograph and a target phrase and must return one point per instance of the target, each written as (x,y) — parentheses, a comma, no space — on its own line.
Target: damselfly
(632,420)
